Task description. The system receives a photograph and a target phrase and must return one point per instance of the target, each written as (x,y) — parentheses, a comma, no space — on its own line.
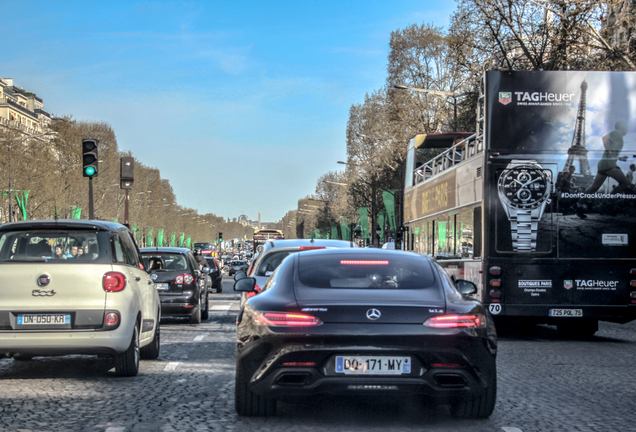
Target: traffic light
(89,156)
(127,172)
(220,236)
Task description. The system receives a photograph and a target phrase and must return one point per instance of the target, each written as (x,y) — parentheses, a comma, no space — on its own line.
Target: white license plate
(566,312)
(44,319)
(373,365)
(162,286)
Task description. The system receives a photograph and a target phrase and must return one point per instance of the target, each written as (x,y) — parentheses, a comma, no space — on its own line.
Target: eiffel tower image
(577,151)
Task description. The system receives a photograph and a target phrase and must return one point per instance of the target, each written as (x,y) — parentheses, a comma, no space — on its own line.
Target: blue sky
(251,97)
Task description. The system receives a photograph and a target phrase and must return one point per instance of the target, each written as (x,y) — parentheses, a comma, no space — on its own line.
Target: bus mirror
(465,287)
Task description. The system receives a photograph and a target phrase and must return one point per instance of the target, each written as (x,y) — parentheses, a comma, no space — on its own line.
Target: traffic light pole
(126,209)
(91,207)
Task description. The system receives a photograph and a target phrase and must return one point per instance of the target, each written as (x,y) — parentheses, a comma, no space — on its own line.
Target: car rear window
(271,261)
(55,246)
(157,261)
(365,272)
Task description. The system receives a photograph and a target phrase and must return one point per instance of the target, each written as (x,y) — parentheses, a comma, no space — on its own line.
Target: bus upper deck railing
(463,150)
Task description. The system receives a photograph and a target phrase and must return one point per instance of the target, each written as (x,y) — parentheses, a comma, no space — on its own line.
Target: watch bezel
(530,206)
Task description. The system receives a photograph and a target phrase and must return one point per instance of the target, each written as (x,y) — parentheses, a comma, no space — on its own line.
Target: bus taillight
(632,283)
(495,294)
(633,296)
(495,283)
(495,270)
(633,272)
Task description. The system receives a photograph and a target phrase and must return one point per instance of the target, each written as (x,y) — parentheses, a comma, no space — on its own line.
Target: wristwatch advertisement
(524,189)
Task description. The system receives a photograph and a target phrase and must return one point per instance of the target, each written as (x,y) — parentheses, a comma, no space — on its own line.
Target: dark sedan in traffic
(181,285)
(364,322)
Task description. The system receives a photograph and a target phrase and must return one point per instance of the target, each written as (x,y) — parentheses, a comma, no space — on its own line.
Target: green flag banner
(364,221)
(344,228)
(149,238)
(381,218)
(317,233)
(389,205)
(21,197)
(173,239)
(160,237)
(324,233)
(76,212)
(188,242)
(181,239)
(334,230)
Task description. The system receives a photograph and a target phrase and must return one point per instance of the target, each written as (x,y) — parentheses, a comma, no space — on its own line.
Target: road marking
(200,337)
(171,366)
(220,307)
(511,429)
(115,429)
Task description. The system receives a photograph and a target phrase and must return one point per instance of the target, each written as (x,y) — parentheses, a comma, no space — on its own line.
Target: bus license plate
(161,286)
(566,312)
(44,319)
(373,365)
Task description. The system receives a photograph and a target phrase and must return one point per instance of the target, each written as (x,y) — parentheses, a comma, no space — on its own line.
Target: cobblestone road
(546,383)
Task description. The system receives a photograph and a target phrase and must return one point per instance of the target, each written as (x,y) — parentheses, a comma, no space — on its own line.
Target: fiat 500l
(76,287)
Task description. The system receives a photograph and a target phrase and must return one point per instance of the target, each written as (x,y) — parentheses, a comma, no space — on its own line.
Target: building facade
(21,110)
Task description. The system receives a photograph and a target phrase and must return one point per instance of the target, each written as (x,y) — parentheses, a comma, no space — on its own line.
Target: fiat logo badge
(153,276)
(373,314)
(43,280)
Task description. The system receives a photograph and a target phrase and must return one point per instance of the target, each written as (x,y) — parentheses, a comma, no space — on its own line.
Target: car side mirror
(240,275)
(466,288)
(246,284)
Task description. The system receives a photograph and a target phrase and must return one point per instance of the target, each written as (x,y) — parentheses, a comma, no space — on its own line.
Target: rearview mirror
(246,284)
(465,287)
(240,275)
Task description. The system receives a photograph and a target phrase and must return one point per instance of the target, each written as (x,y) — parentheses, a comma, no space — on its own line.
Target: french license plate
(566,312)
(44,319)
(373,365)
(161,286)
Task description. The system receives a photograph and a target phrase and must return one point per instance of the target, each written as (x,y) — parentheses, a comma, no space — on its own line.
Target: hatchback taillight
(454,321)
(112,319)
(188,278)
(285,319)
(114,282)
(179,279)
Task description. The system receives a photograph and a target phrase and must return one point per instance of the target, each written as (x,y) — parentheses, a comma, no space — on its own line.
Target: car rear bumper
(65,342)
(177,309)
(442,368)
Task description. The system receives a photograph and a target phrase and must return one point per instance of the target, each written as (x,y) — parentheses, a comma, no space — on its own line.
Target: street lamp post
(10,147)
(437,93)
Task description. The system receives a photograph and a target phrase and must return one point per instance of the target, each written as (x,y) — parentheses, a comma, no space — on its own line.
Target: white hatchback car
(76,287)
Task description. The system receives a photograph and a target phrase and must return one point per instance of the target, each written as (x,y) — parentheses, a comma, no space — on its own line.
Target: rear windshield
(364,272)
(271,261)
(237,263)
(157,261)
(81,246)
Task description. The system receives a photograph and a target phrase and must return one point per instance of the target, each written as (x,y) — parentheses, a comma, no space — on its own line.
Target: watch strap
(524,226)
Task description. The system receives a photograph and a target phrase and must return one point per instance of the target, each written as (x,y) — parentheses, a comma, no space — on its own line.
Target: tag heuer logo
(567,284)
(505,97)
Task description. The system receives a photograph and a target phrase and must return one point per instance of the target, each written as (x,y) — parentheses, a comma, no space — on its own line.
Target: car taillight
(495,270)
(311,247)
(363,262)
(114,282)
(285,319)
(112,319)
(188,278)
(179,279)
(257,290)
(454,321)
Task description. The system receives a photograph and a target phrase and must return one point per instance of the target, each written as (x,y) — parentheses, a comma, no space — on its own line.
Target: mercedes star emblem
(373,314)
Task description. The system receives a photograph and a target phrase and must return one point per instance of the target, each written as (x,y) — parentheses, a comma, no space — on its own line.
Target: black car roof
(63,224)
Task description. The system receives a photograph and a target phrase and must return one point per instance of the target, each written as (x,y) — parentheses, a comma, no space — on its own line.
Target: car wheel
(247,403)
(205,314)
(127,363)
(151,351)
(195,318)
(478,407)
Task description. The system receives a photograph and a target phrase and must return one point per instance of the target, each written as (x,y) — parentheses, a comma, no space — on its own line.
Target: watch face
(524,187)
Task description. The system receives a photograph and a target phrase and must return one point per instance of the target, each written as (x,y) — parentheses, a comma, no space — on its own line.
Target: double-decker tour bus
(262,235)
(538,207)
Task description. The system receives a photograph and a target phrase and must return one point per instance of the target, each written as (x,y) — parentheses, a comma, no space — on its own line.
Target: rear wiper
(28,259)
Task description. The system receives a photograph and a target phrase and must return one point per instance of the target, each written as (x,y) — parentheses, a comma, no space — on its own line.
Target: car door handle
(137,278)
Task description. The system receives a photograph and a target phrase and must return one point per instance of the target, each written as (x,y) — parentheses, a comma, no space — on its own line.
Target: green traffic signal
(89,171)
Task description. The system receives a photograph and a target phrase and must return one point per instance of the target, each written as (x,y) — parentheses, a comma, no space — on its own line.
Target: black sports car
(364,321)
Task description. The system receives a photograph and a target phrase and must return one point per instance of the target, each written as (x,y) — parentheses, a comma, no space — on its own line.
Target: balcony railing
(463,150)
(15,105)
